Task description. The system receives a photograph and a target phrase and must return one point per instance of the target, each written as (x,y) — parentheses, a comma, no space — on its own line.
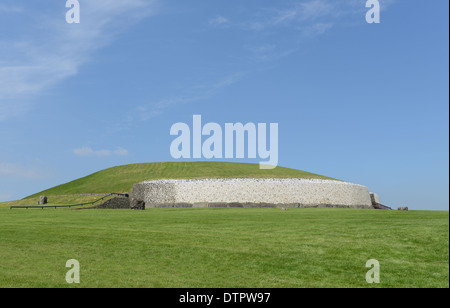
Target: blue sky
(365,103)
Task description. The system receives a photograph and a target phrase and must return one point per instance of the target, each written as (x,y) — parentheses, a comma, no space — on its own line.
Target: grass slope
(224,247)
(122,178)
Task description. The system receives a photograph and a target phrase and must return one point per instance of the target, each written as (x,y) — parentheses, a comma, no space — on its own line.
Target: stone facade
(251,192)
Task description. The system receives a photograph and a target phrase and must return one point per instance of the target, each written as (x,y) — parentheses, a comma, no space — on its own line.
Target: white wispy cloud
(267,53)
(297,13)
(88,151)
(290,24)
(310,14)
(10,9)
(41,59)
(18,171)
(217,21)
(304,11)
(315,29)
(188,95)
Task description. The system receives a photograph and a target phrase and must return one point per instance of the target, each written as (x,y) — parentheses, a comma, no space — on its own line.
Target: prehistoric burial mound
(216,184)
(295,192)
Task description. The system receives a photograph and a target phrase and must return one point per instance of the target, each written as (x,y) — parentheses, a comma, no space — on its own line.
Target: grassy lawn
(223,247)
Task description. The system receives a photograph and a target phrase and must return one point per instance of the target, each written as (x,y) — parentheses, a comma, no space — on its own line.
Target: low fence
(66,206)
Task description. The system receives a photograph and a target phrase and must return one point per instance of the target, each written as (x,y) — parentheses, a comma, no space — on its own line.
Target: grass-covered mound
(122,178)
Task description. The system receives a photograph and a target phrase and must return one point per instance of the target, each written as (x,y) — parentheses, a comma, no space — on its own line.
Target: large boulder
(403,208)
(136,204)
(43,200)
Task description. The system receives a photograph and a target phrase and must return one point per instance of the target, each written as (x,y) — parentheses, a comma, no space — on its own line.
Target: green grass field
(223,247)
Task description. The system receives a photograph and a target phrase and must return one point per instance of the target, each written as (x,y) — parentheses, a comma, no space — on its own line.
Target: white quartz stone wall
(295,192)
